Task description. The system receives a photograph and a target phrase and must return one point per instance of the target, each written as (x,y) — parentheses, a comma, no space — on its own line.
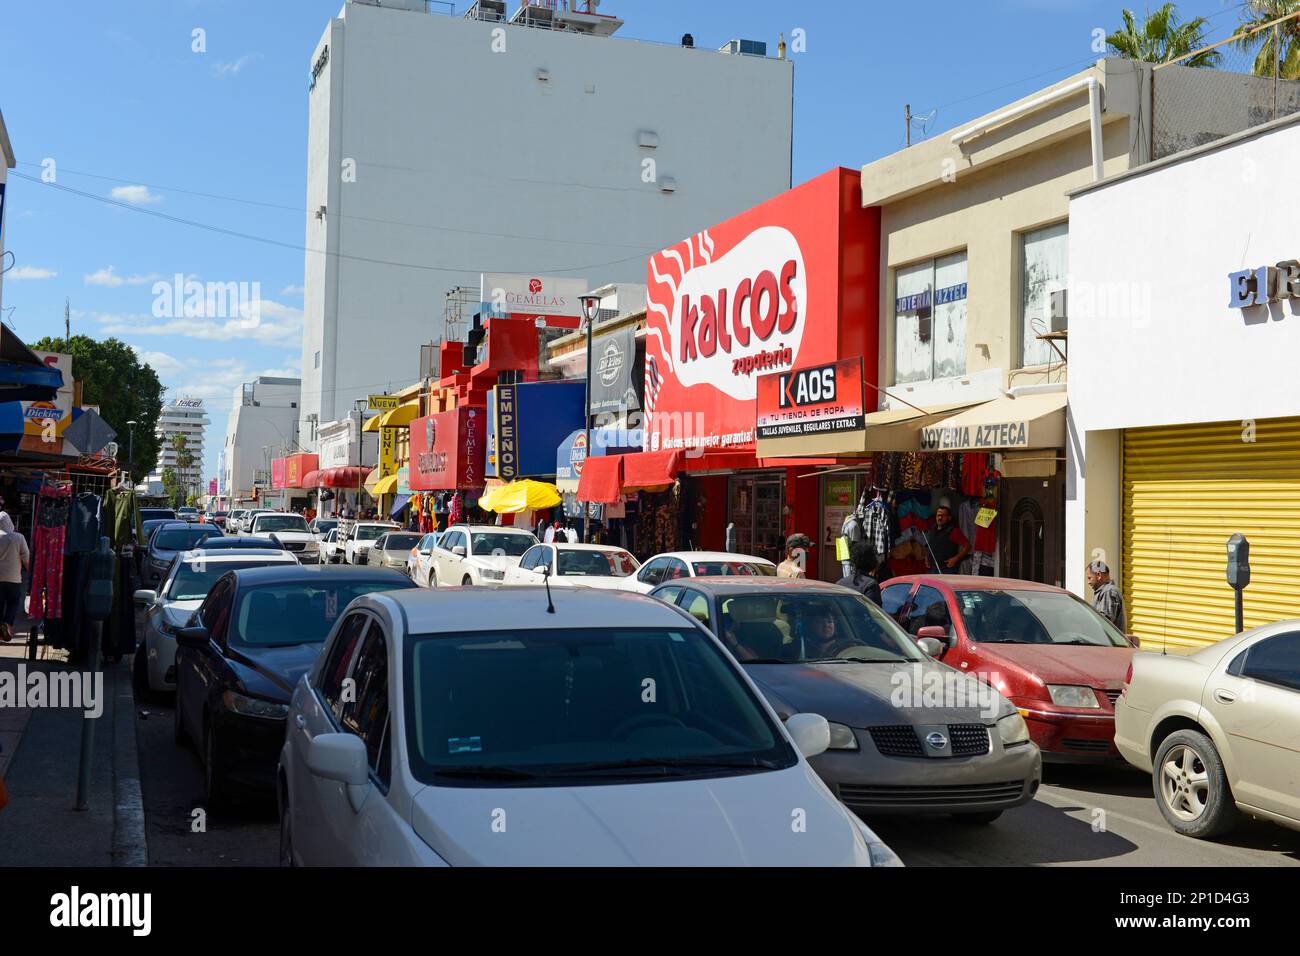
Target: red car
(1056,659)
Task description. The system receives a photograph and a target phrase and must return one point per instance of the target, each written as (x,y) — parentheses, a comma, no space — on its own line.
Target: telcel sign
(1263,285)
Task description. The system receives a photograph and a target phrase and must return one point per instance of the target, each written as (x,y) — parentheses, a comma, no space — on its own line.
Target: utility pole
(907,121)
(67,323)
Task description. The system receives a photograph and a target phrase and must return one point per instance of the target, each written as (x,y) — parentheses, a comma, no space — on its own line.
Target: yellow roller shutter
(1187,488)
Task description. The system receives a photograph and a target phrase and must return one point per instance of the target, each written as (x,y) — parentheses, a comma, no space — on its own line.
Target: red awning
(312,479)
(349,476)
(652,470)
(602,479)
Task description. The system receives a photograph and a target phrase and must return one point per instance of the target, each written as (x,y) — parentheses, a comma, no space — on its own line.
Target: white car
(574,565)
(290,530)
(179,595)
(320,527)
(361,535)
(478,554)
(695,564)
(329,547)
(234,520)
(615,731)
(246,519)
(419,566)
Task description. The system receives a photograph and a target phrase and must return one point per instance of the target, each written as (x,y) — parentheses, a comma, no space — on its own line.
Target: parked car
(908,735)
(574,565)
(691,564)
(359,537)
(478,554)
(157,514)
(393,550)
(173,603)
(243,542)
(1059,661)
(329,547)
(235,520)
(217,518)
(188,513)
(290,530)
(550,732)
(237,662)
(419,565)
(169,540)
(1219,730)
(246,519)
(322,526)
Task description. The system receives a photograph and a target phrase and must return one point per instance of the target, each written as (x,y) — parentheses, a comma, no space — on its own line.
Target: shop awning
(385,486)
(400,416)
(399,505)
(652,470)
(23,376)
(312,479)
(602,480)
(1028,421)
(347,476)
(895,429)
(372,424)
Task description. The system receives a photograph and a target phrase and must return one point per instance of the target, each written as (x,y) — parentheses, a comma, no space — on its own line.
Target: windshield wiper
(485,772)
(764,660)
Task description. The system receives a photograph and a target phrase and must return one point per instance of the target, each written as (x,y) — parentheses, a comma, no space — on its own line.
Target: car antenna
(546,579)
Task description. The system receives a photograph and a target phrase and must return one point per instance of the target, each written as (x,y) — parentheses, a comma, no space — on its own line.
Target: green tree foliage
(1273,47)
(1162,38)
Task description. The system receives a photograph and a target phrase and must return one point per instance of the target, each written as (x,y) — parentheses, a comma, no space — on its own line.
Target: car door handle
(1224,696)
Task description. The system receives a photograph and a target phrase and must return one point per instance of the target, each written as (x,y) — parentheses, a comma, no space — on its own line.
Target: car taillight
(1128,675)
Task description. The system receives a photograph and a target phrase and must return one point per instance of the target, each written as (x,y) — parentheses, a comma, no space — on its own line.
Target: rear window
(402,542)
(596,564)
(182,539)
(194,580)
(706,568)
(370,533)
(280,615)
(496,542)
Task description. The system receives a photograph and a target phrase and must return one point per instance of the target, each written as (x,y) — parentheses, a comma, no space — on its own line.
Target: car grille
(865,798)
(1086,746)
(294,545)
(965,740)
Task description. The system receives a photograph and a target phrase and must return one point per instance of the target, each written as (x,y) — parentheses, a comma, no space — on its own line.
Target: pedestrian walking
(1106,597)
(15,557)
(863,579)
(796,550)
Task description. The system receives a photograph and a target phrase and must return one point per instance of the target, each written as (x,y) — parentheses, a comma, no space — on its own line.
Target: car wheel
(1191,786)
(140,675)
(433,579)
(214,786)
(178,722)
(286,833)
(466,581)
(977,818)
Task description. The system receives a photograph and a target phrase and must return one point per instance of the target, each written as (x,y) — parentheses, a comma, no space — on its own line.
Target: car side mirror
(144,597)
(192,636)
(459,551)
(810,732)
(341,757)
(931,646)
(937,634)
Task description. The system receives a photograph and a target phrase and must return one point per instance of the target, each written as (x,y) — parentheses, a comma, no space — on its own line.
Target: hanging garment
(986,539)
(47,564)
(973,468)
(876,524)
(966,521)
(83,523)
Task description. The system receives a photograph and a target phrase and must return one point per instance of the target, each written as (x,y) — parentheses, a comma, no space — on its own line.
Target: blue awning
(399,505)
(23,376)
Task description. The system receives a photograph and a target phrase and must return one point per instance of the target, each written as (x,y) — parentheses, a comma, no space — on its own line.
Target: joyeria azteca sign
(757,294)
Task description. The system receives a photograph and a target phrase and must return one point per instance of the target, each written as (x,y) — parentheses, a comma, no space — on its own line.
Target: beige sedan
(1219,730)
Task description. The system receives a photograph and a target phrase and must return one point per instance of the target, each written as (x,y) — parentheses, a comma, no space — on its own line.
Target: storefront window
(754,508)
(930,319)
(1044,264)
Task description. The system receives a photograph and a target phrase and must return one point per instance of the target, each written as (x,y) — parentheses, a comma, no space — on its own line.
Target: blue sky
(115,96)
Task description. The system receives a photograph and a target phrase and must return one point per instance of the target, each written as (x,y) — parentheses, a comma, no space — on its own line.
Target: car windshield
(301,612)
(706,568)
(602,564)
(1034,617)
(577,709)
(501,543)
(798,628)
(401,542)
(370,532)
(281,523)
(323,526)
(194,579)
(182,539)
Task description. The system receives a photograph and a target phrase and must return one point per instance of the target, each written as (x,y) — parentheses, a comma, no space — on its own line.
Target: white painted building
(185,416)
(1184,412)
(441,147)
(262,426)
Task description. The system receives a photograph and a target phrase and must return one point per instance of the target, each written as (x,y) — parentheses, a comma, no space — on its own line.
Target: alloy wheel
(1185,783)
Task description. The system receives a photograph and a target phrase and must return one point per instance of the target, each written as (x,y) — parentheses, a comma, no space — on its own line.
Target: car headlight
(881,855)
(252,707)
(1073,695)
(1013,730)
(491,575)
(842,737)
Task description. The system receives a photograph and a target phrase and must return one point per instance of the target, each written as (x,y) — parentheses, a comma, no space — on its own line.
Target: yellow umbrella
(525,495)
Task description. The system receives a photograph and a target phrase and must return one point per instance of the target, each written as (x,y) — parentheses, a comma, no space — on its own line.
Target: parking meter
(1238,570)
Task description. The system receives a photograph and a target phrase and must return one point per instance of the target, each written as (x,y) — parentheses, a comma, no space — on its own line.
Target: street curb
(129,845)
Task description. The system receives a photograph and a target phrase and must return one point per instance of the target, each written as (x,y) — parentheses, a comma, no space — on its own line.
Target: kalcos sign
(1263,285)
(964,437)
(759,307)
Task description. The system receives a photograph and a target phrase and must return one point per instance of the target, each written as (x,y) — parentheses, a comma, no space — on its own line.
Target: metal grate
(1111,695)
(897,741)
(868,797)
(1086,746)
(968,740)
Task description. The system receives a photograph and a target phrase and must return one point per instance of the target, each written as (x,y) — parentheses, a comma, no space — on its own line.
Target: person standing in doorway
(1106,599)
(948,547)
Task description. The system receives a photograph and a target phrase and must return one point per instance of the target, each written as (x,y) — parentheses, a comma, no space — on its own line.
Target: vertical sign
(507,433)
(387,451)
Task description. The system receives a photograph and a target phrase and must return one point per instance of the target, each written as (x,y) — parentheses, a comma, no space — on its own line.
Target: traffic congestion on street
(542,434)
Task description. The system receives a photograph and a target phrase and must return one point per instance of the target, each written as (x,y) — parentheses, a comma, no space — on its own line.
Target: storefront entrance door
(754,507)
(1033,529)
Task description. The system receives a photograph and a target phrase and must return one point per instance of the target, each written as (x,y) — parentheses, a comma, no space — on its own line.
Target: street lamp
(590,309)
(130,450)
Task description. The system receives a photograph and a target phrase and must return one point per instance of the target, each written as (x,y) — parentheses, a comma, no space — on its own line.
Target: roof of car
(720,584)
(227,555)
(308,573)
(708,556)
(566,546)
(972,582)
(512,529)
(524,608)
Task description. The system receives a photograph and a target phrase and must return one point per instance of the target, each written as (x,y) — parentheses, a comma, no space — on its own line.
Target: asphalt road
(1083,816)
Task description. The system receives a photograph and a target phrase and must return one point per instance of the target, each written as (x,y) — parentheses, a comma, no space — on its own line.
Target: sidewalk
(39,764)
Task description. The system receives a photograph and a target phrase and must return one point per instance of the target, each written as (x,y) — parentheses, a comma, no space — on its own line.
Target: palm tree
(1163,38)
(1286,36)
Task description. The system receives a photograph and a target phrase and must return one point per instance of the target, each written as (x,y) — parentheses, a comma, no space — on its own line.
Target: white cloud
(233,67)
(162,363)
(278,325)
(135,195)
(292,290)
(108,277)
(29,272)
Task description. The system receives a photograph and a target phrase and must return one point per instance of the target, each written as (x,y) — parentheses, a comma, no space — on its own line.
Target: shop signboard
(51,419)
(530,421)
(337,447)
(819,400)
(387,451)
(777,288)
(384,403)
(613,357)
(573,452)
(445,450)
(507,427)
(296,467)
(992,436)
(277,472)
(553,299)
(212,487)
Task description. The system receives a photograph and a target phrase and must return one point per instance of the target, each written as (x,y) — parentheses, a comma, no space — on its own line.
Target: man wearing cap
(1106,599)
(795,556)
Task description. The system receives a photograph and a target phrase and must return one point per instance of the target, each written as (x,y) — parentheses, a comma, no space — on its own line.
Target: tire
(286,829)
(433,579)
(979,819)
(467,581)
(214,787)
(1191,786)
(178,722)
(140,675)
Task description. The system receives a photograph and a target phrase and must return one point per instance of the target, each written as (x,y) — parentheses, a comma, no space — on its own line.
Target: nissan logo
(937,740)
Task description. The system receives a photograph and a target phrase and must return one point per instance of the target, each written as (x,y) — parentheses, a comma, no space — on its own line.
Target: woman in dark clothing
(863,579)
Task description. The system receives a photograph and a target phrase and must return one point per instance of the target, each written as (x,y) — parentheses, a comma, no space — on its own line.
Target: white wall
(250,427)
(519,175)
(1152,338)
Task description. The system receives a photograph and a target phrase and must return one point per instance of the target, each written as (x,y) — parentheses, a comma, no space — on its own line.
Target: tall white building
(443,147)
(262,426)
(185,416)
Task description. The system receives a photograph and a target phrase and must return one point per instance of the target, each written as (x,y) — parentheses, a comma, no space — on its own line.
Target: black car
(166,541)
(154,514)
(237,662)
(242,541)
